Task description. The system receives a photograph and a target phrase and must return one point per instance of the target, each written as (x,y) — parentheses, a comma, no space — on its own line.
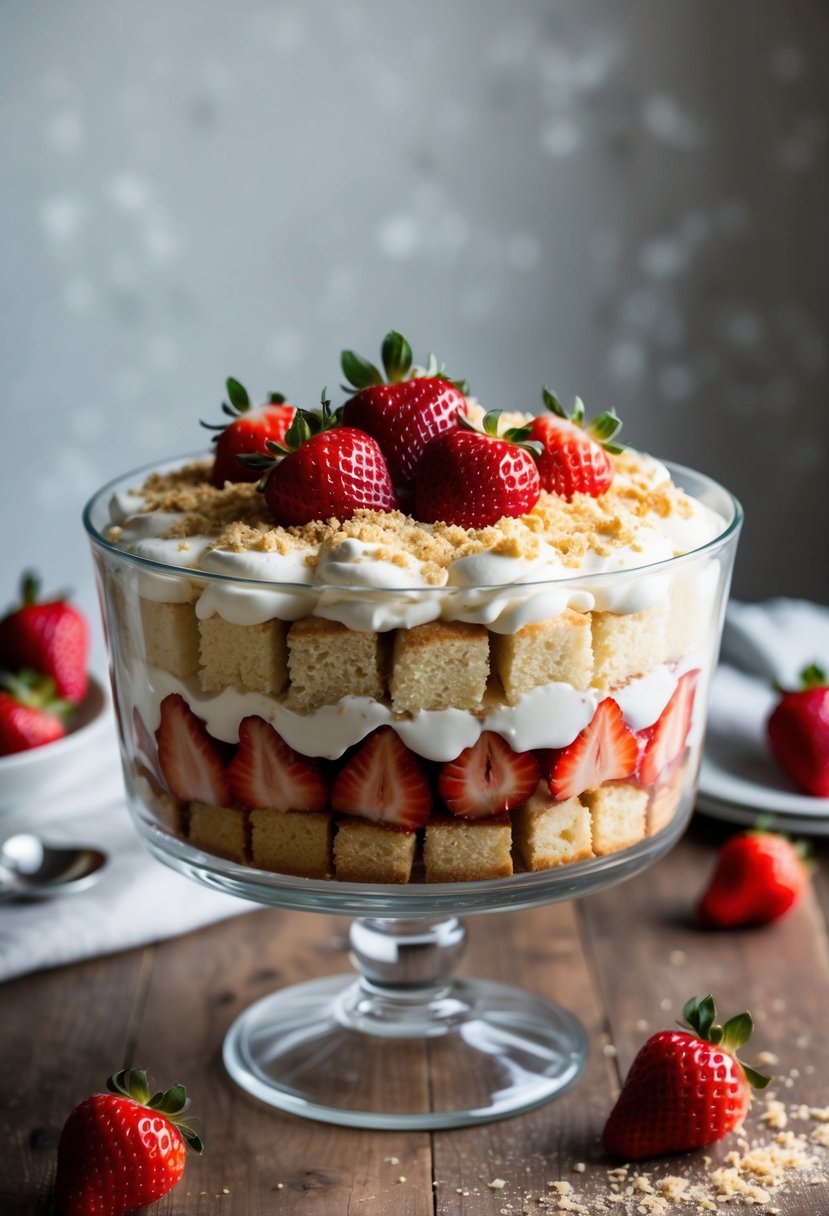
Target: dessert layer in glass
(341,701)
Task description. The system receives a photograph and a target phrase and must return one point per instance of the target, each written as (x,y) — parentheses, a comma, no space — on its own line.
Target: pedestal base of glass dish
(405,1046)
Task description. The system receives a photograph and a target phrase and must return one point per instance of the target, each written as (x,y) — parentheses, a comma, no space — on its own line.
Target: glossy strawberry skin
(488,779)
(663,743)
(190,760)
(404,418)
(798,735)
(606,750)
(681,1093)
(473,480)
(758,877)
(571,462)
(52,639)
(248,434)
(115,1155)
(23,727)
(382,781)
(266,773)
(332,475)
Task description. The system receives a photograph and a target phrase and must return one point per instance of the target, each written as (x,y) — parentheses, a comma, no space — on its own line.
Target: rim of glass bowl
(607,576)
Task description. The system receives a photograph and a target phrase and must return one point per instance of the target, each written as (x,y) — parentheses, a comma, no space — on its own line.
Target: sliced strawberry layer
(383,781)
(190,759)
(663,742)
(606,750)
(488,779)
(267,773)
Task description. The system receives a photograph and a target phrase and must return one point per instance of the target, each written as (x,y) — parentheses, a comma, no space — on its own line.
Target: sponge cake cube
(439,665)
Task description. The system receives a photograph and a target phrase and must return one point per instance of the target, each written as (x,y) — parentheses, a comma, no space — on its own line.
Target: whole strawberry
(122,1149)
(798,732)
(685,1089)
(575,459)
(474,478)
(758,877)
(406,414)
(248,431)
(323,471)
(51,638)
(30,713)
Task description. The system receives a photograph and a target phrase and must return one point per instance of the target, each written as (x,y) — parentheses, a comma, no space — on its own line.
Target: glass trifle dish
(406,660)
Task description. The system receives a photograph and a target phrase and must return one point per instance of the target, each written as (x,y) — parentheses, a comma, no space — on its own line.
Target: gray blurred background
(628,201)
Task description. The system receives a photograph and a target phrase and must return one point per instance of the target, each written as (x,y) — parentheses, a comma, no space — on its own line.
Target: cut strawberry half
(488,778)
(190,759)
(663,742)
(383,781)
(267,773)
(606,750)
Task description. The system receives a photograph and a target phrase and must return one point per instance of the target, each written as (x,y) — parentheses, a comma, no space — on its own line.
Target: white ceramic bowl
(44,772)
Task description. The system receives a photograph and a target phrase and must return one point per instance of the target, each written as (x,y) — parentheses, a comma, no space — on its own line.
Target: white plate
(791,824)
(738,770)
(44,773)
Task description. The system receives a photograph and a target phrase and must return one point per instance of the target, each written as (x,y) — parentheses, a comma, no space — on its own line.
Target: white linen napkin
(762,644)
(137,900)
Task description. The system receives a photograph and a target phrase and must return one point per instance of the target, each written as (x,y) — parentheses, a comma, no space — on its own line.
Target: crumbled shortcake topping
(754,1175)
(236,517)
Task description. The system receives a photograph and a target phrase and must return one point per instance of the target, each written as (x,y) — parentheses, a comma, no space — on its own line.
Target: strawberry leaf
(737,1031)
(130,1083)
(358,371)
(699,1014)
(192,1139)
(604,425)
(757,1080)
(276,398)
(171,1102)
(397,357)
(552,403)
(812,676)
(238,395)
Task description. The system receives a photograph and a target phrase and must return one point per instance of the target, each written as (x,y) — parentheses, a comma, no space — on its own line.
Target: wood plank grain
(651,958)
(260,1160)
(541,951)
(62,1033)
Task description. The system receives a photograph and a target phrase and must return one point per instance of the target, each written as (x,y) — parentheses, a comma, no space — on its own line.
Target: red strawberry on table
(758,877)
(323,471)
(267,773)
(605,750)
(798,732)
(576,457)
(123,1149)
(384,782)
(664,742)
(685,1089)
(405,414)
(190,759)
(488,778)
(248,431)
(474,478)
(30,713)
(51,638)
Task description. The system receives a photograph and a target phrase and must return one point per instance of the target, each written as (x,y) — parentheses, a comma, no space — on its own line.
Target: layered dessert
(410,641)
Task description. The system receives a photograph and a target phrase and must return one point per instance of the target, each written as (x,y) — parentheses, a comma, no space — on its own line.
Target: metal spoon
(31,868)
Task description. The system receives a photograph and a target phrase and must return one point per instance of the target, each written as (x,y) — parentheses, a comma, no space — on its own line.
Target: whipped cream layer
(549,716)
(376,585)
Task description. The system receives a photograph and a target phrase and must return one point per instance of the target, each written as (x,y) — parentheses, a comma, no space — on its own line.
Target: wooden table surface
(624,961)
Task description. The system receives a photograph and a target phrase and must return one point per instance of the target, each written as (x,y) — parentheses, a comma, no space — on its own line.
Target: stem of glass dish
(405,987)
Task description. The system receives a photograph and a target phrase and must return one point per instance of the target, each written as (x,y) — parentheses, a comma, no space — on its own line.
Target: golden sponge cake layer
(439,666)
